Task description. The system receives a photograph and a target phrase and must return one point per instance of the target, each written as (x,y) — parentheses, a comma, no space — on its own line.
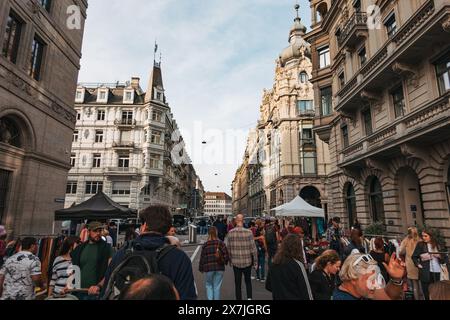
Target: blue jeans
(260,272)
(213,284)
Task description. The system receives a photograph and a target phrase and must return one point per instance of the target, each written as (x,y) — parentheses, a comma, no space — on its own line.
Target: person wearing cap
(334,235)
(3,235)
(93,258)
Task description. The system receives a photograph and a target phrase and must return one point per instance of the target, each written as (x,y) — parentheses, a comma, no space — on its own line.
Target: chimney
(135,82)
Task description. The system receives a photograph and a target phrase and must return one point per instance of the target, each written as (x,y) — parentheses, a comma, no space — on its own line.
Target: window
(78,116)
(102,95)
(351,204)
(98,136)
(73,159)
(79,95)
(307,135)
(127,117)
(362,54)
(76,134)
(341,80)
(309,162)
(155,159)
(324,57)
(45,4)
(399,102)
(124,161)
(303,77)
(94,187)
(305,106)
(37,54)
(101,115)
(325,100)
(443,74)
(97,160)
(391,26)
(158,96)
(71,187)
(376,200)
(357,7)
(345,136)
(156,137)
(12,38)
(121,188)
(128,96)
(156,116)
(367,120)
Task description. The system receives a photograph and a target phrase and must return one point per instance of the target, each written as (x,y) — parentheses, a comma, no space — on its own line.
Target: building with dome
(285,158)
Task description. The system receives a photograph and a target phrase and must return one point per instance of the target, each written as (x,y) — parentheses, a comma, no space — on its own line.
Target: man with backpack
(150,253)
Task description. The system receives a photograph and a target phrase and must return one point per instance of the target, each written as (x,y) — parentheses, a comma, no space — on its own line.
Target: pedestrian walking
(106,237)
(21,273)
(153,246)
(323,278)
(112,229)
(221,227)
(93,258)
(288,278)
(213,259)
(427,259)
(356,244)
(260,242)
(407,248)
(362,280)
(62,268)
(243,255)
(380,255)
(272,239)
(334,235)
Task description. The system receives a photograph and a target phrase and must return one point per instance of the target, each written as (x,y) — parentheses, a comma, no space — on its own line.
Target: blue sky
(217,57)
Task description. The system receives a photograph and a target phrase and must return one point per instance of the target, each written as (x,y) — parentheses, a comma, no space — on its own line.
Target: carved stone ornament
(373,99)
(84,160)
(407,72)
(86,134)
(375,164)
(446,24)
(410,151)
(352,173)
(348,117)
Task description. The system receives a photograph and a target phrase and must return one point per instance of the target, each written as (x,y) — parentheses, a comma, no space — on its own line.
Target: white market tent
(299,208)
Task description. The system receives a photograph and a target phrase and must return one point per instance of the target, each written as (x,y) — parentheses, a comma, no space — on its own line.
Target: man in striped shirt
(243,255)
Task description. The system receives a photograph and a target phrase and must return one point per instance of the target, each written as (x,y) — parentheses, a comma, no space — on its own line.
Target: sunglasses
(367,258)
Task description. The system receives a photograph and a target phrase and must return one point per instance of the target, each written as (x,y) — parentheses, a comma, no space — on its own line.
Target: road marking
(195,254)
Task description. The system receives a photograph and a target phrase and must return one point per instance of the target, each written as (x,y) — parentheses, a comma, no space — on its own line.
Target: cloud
(217,57)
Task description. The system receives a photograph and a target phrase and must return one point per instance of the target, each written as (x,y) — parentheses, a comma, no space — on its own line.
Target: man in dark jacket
(93,258)
(221,227)
(175,265)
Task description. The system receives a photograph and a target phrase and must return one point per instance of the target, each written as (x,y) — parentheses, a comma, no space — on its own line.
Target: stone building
(217,204)
(126,143)
(39,63)
(284,158)
(386,70)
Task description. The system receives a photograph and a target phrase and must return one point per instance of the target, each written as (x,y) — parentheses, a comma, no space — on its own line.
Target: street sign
(60,200)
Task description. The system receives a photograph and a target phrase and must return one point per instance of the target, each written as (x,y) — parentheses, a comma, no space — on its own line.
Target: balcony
(306,113)
(119,171)
(354,30)
(124,145)
(322,127)
(426,125)
(125,123)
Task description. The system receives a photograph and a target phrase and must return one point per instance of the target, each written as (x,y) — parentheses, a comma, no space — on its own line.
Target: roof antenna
(297,7)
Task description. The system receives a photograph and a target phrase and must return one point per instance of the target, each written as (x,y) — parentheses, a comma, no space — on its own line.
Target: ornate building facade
(285,158)
(385,67)
(39,63)
(126,143)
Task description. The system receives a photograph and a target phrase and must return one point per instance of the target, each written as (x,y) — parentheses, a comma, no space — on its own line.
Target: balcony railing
(125,122)
(121,170)
(358,21)
(123,145)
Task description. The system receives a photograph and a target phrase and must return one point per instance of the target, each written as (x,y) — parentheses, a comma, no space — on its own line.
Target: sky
(217,57)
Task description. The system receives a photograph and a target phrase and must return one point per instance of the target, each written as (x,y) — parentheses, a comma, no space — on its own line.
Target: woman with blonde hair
(407,248)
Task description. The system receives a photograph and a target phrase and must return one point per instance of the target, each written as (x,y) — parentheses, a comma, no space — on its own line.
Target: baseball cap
(2,231)
(95,225)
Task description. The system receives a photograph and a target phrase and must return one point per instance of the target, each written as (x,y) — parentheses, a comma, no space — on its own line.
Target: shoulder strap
(305,276)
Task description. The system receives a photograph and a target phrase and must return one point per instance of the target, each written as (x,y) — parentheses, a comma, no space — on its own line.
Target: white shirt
(434,262)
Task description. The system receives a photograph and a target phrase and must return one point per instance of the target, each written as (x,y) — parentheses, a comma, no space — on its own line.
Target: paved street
(193,251)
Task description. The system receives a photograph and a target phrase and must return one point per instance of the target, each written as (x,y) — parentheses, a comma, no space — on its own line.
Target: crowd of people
(150,264)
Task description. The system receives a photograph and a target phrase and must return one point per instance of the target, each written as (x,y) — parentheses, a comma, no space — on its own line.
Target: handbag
(444,273)
(219,256)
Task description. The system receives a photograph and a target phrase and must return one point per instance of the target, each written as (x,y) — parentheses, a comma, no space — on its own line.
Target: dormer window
(128,96)
(158,95)
(79,97)
(102,96)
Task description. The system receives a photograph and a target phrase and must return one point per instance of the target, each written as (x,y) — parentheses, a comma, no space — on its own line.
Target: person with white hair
(361,279)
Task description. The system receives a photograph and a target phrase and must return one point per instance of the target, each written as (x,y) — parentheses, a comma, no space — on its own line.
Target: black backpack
(271,237)
(137,264)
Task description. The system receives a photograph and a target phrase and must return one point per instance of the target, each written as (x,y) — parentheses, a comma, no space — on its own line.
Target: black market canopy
(99,207)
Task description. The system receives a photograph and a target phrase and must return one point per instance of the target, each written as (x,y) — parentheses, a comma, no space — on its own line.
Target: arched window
(321,11)
(376,200)
(350,201)
(10,133)
(303,77)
